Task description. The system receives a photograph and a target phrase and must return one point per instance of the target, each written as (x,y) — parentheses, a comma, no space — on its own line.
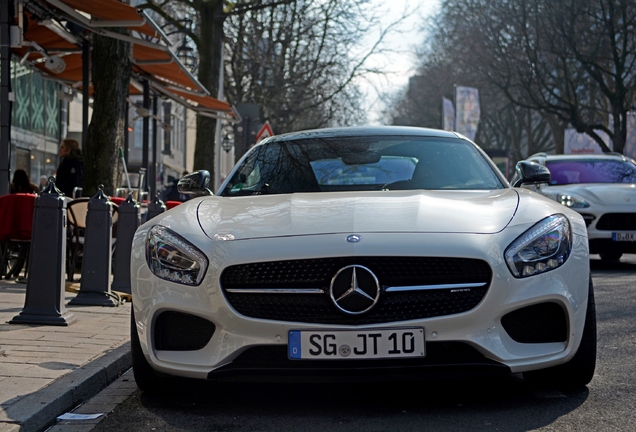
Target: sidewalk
(46,371)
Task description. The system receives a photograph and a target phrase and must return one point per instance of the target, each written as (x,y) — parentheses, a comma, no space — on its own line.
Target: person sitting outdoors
(22,184)
(44,182)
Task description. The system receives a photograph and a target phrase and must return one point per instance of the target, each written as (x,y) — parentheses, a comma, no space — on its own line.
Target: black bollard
(155,208)
(97,259)
(127,223)
(45,289)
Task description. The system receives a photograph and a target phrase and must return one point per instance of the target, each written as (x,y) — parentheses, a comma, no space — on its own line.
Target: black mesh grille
(617,221)
(177,331)
(540,323)
(390,271)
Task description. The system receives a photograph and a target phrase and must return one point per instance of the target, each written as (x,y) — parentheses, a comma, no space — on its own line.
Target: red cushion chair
(16,224)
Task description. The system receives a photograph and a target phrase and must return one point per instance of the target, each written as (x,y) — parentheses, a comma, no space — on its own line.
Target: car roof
(543,157)
(365,131)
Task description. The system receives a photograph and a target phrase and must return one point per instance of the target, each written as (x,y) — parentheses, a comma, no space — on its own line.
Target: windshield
(362,163)
(591,171)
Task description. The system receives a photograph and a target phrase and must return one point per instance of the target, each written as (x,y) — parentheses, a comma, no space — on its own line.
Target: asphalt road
(608,403)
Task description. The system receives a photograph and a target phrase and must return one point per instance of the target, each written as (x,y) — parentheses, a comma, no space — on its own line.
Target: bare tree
(503,125)
(601,34)
(207,33)
(294,60)
(573,60)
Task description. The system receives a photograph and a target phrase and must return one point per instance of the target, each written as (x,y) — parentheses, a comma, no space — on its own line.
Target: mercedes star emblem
(354,289)
(354,238)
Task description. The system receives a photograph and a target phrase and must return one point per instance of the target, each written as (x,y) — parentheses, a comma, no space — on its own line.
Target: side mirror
(527,172)
(195,183)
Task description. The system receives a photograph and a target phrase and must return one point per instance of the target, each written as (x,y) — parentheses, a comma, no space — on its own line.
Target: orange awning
(112,10)
(165,66)
(152,59)
(204,101)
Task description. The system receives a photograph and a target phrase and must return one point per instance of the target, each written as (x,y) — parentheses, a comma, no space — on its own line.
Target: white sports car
(363,253)
(602,187)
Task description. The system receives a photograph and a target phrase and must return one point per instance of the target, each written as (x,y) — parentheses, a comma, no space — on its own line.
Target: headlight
(173,258)
(544,247)
(571,201)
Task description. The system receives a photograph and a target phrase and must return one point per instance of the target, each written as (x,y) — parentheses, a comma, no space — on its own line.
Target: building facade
(45,111)
(37,122)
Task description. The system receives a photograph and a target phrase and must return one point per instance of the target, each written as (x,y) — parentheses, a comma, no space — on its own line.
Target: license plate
(624,236)
(356,344)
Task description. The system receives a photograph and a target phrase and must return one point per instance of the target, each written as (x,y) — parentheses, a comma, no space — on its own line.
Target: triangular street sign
(266,131)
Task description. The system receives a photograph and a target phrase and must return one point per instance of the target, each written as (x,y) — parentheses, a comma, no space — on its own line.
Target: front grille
(391,272)
(178,331)
(540,323)
(617,221)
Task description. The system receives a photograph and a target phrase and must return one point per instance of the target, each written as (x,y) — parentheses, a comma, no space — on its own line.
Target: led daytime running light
(571,201)
(544,247)
(171,257)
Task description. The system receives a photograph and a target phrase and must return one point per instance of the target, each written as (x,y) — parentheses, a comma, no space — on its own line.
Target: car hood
(343,212)
(610,194)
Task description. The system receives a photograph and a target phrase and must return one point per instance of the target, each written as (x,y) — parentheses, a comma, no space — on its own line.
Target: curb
(40,410)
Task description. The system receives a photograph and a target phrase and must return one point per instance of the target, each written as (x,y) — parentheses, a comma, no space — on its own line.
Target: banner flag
(467,111)
(448,115)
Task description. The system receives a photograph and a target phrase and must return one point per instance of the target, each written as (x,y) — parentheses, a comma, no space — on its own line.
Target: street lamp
(228,138)
(186,54)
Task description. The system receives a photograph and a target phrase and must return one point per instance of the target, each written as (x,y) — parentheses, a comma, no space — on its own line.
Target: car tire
(611,256)
(145,376)
(578,372)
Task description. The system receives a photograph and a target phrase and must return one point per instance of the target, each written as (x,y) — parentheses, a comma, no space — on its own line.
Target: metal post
(86,63)
(145,137)
(45,289)
(152,166)
(128,221)
(5,93)
(155,208)
(219,125)
(97,259)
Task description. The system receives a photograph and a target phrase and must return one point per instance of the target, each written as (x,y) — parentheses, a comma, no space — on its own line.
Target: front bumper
(602,226)
(478,338)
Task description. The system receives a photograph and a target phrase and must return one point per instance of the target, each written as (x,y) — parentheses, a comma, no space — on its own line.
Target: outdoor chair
(16,224)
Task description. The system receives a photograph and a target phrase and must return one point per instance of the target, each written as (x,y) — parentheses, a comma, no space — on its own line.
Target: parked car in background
(363,253)
(602,188)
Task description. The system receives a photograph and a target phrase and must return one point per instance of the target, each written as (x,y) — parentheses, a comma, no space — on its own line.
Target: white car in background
(602,188)
(363,253)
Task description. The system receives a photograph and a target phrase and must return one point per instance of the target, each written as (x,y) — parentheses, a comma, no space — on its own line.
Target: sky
(398,58)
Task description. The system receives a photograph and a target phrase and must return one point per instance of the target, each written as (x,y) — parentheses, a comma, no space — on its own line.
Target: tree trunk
(211,20)
(558,131)
(111,68)
(619,117)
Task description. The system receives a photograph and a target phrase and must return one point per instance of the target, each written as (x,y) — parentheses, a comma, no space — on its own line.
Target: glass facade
(36,128)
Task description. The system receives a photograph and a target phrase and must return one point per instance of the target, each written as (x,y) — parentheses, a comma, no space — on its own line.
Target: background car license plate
(624,236)
(356,344)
